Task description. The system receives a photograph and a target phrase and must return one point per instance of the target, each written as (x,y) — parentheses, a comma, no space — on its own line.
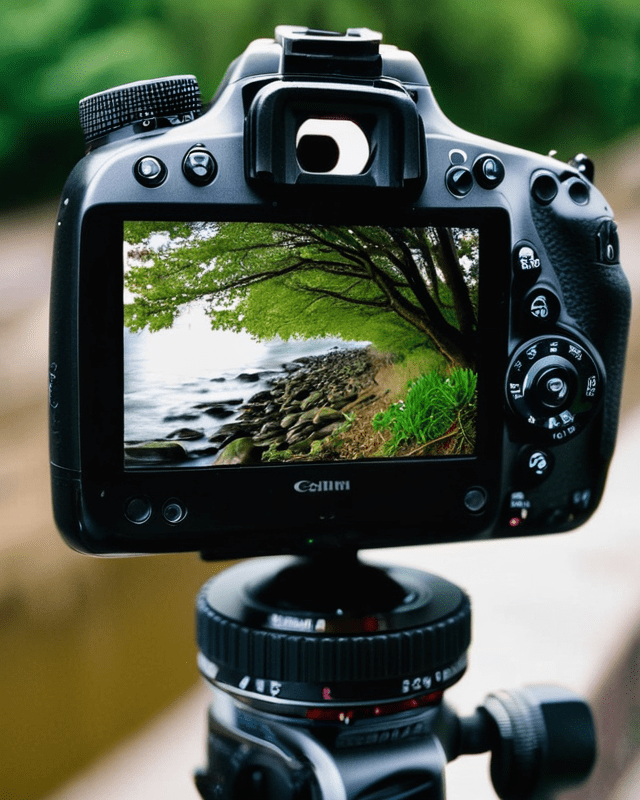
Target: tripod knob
(543,741)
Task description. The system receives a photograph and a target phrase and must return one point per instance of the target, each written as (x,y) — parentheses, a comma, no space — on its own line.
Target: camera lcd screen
(261,343)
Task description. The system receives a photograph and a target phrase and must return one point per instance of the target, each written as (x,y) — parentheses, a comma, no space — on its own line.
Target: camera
(317,314)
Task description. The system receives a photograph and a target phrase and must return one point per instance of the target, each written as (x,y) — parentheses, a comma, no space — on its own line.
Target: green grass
(434,404)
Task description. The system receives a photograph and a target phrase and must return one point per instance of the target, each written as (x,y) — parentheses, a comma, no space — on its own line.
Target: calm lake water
(168,374)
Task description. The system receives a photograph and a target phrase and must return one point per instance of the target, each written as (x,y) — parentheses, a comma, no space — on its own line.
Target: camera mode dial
(554,385)
(163,102)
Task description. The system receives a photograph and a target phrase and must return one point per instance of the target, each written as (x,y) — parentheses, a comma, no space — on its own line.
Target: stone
(157,452)
(313,400)
(240,451)
(219,411)
(186,434)
(326,415)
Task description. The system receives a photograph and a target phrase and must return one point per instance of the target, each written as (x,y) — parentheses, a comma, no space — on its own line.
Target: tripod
(328,678)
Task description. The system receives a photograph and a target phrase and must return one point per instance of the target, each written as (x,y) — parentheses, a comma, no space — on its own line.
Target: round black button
(554,387)
(488,171)
(535,464)
(138,510)
(174,511)
(526,263)
(579,192)
(150,171)
(475,499)
(199,167)
(544,188)
(459,181)
(541,308)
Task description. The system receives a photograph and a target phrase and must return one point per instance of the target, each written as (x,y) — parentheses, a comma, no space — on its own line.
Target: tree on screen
(400,288)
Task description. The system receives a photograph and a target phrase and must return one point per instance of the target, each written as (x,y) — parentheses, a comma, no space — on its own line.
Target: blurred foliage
(541,74)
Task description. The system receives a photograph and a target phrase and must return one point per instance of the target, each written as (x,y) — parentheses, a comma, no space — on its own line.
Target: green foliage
(391,287)
(538,74)
(433,405)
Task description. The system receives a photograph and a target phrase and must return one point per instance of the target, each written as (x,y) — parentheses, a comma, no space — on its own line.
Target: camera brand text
(322,486)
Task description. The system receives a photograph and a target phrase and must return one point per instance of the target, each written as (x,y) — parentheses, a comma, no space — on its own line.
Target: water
(170,374)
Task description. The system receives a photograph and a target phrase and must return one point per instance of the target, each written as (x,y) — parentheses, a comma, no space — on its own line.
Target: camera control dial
(163,102)
(554,385)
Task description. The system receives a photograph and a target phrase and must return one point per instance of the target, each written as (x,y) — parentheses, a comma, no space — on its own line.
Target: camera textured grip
(117,108)
(596,294)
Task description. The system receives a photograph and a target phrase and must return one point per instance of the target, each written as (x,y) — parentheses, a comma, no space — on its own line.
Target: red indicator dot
(514,522)
(326,693)
(369,624)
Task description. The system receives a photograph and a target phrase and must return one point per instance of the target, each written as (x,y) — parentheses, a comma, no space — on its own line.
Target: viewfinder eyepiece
(332,147)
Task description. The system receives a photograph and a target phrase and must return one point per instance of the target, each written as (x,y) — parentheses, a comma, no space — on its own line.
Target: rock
(313,400)
(273,442)
(155,453)
(303,446)
(260,398)
(230,431)
(186,417)
(219,411)
(289,420)
(299,433)
(326,415)
(240,451)
(326,431)
(271,428)
(186,434)
(248,377)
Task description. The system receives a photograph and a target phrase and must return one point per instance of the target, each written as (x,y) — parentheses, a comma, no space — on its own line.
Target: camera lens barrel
(305,633)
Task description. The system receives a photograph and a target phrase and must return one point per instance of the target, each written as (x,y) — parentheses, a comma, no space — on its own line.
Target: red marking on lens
(366,712)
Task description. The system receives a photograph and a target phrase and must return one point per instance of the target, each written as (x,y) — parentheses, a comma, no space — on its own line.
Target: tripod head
(328,678)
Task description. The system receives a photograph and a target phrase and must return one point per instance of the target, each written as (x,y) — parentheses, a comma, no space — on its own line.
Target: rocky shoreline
(304,405)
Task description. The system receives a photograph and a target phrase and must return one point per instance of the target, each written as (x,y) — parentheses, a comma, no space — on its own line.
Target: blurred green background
(534,73)
(85,655)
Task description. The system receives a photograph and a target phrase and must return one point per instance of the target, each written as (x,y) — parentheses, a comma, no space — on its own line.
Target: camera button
(541,308)
(488,171)
(475,499)
(457,157)
(526,263)
(459,181)
(544,188)
(174,511)
(150,171)
(138,510)
(608,243)
(535,464)
(579,192)
(199,166)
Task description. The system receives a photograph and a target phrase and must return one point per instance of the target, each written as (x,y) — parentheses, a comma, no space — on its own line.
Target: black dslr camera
(317,313)
(317,317)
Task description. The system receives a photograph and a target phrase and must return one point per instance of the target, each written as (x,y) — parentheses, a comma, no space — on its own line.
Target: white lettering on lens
(322,486)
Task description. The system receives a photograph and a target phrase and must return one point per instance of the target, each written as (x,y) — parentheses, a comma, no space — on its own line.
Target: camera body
(262,311)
